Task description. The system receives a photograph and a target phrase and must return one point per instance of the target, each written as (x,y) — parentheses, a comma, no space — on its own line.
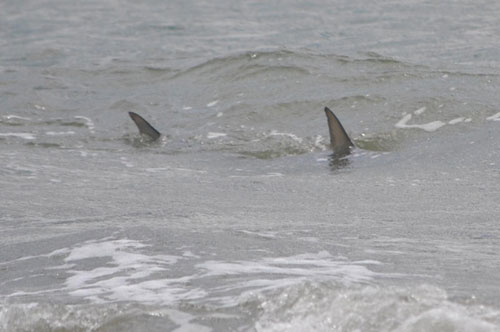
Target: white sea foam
(456,120)
(125,162)
(27,136)
(431,126)
(125,272)
(189,170)
(266,235)
(328,307)
(183,319)
(88,123)
(45,317)
(305,292)
(292,136)
(494,117)
(128,275)
(60,133)
(156,169)
(212,135)
(17,117)
(212,103)
(188,253)
(319,142)
(54,317)
(420,110)
(272,174)
(270,273)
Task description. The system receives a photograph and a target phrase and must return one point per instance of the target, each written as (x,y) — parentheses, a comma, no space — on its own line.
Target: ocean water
(238,218)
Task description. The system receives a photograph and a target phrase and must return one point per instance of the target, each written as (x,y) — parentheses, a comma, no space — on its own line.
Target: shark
(340,142)
(145,128)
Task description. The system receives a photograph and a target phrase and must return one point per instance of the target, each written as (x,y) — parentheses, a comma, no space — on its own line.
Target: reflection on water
(337,162)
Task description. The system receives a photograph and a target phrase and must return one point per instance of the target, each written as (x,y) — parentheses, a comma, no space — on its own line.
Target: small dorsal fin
(340,141)
(144,126)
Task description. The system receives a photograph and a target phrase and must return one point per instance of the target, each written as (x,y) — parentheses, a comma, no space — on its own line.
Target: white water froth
(292,136)
(435,125)
(212,103)
(53,317)
(456,120)
(431,126)
(60,133)
(494,117)
(212,135)
(45,317)
(271,273)
(27,136)
(125,276)
(111,270)
(17,117)
(183,319)
(88,123)
(420,110)
(304,292)
(328,307)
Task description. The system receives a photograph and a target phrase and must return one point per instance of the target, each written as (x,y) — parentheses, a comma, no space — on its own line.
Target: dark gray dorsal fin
(340,141)
(144,126)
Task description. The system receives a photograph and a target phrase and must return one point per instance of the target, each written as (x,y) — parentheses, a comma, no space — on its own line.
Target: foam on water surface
(125,276)
(314,291)
(457,120)
(212,103)
(88,123)
(305,306)
(494,117)
(105,317)
(16,117)
(326,307)
(60,133)
(212,135)
(26,136)
(431,126)
(111,270)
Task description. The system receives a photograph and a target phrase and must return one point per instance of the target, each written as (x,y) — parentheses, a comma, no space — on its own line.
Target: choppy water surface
(238,218)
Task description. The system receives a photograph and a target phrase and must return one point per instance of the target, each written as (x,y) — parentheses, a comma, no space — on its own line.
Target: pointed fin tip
(339,140)
(144,127)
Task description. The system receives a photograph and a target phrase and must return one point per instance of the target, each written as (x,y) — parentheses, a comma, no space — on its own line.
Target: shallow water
(238,218)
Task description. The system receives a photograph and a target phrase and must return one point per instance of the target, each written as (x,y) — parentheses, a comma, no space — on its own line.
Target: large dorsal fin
(340,141)
(144,126)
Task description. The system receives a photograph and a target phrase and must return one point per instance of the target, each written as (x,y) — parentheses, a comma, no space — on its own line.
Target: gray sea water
(238,219)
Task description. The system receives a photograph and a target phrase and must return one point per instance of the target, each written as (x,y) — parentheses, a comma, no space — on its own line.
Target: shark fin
(144,127)
(340,141)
